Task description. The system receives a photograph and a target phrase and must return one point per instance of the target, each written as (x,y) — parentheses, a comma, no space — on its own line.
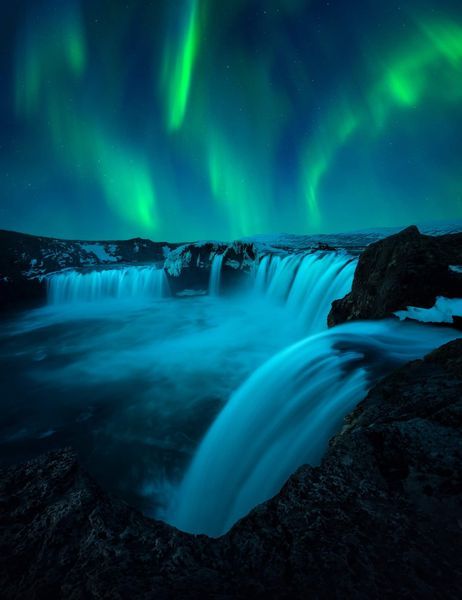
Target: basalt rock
(26,259)
(380,518)
(406,269)
(188,267)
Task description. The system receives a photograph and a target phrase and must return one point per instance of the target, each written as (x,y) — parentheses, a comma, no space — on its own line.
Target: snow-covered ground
(353,240)
(35,257)
(104,252)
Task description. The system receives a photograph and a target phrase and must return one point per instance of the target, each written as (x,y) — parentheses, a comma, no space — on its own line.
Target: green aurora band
(198,119)
(178,67)
(432,62)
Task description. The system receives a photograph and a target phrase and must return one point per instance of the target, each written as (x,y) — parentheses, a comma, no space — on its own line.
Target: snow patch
(455,268)
(177,260)
(35,268)
(233,264)
(100,252)
(442,312)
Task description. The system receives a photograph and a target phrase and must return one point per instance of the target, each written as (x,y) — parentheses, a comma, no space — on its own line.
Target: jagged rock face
(25,259)
(188,267)
(406,269)
(380,518)
(238,263)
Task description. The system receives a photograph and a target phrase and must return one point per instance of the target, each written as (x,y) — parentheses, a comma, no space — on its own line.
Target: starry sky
(196,119)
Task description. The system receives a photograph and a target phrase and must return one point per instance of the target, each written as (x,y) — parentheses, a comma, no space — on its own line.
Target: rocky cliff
(405,269)
(188,267)
(380,518)
(26,259)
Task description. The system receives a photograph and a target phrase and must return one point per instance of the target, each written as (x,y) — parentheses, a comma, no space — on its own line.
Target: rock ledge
(380,518)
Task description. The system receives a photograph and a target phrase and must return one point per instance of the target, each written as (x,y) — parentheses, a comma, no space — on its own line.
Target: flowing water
(72,287)
(306,283)
(215,275)
(284,415)
(132,385)
(171,403)
(129,376)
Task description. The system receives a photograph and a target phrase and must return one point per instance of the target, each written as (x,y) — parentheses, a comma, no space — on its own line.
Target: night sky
(195,119)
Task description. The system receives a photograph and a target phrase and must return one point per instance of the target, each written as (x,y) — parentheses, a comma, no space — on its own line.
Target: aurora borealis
(202,119)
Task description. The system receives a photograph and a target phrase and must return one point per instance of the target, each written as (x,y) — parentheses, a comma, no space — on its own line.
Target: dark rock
(26,259)
(238,263)
(188,267)
(325,247)
(406,269)
(380,518)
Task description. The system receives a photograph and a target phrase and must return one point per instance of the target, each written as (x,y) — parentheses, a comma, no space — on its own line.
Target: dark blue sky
(202,119)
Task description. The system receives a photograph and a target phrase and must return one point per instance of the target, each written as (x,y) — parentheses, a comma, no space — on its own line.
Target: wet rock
(188,267)
(26,259)
(406,269)
(325,247)
(380,518)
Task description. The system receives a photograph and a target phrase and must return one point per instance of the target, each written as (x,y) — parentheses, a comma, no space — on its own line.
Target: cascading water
(126,283)
(284,415)
(307,283)
(215,275)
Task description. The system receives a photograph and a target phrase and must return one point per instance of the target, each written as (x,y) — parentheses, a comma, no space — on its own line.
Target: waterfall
(125,283)
(307,283)
(284,415)
(215,275)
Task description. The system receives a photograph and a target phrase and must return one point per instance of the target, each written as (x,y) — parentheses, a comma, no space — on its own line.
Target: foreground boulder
(380,518)
(406,269)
